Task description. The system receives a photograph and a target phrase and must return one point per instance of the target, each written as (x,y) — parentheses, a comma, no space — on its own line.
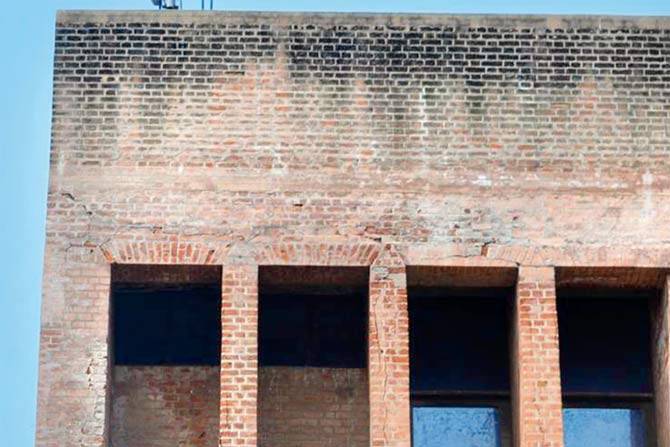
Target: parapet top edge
(78,17)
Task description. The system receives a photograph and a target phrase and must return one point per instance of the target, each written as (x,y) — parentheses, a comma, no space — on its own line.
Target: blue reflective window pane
(603,427)
(455,427)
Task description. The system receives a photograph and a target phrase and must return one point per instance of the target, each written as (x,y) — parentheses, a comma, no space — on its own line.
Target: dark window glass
(455,427)
(168,326)
(605,342)
(604,427)
(459,340)
(313,330)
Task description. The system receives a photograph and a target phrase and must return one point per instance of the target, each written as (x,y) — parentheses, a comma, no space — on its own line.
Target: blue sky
(26,34)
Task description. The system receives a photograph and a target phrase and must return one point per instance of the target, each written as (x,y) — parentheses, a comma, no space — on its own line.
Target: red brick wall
(289,137)
(240,139)
(73,376)
(239,356)
(536,378)
(160,406)
(297,407)
(313,407)
(388,352)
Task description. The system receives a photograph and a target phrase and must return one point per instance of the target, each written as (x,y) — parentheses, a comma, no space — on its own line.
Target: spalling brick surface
(235,138)
(388,352)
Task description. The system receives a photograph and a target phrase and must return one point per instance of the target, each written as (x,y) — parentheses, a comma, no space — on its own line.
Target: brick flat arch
(318,254)
(164,251)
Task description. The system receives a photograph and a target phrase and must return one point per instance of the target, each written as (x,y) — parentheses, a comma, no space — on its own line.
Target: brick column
(388,352)
(239,356)
(73,407)
(661,367)
(536,378)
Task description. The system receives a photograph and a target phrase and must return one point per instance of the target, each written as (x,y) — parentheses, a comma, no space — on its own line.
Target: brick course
(313,407)
(247,139)
(158,406)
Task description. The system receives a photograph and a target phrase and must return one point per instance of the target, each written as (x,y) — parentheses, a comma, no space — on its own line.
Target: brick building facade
(387,157)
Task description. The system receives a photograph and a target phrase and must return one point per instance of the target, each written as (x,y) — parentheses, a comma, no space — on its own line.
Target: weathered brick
(247,139)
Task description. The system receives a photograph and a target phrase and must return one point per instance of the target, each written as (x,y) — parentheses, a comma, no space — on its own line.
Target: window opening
(605,342)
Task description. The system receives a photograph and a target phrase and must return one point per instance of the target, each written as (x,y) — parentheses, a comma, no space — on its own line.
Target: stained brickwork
(158,406)
(313,407)
(242,139)
(319,407)
(73,377)
(227,108)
